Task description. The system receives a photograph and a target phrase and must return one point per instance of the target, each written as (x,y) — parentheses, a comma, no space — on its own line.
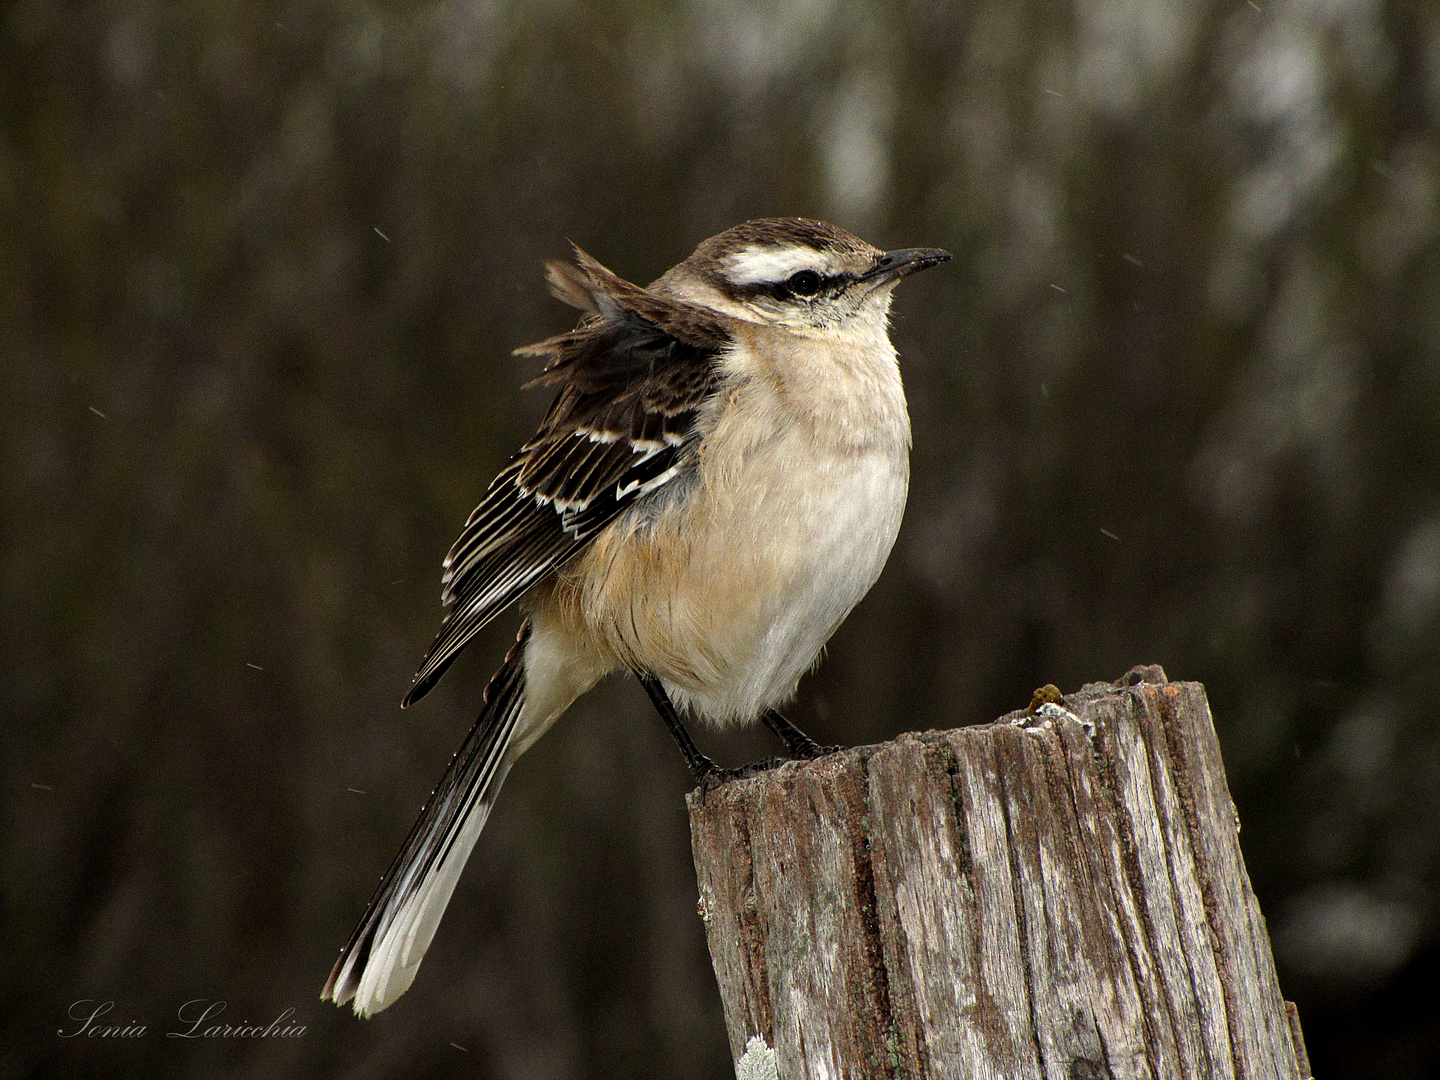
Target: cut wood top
(1058,894)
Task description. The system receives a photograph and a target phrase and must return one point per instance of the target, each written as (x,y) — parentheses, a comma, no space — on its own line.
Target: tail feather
(379,961)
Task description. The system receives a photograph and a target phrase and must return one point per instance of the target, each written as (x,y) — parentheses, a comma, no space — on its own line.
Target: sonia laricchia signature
(198,1018)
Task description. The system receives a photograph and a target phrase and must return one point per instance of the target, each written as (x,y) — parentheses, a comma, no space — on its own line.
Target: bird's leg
(796,741)
(707,774)
(700,765)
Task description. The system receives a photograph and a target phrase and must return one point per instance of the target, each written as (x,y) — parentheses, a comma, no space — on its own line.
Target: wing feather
(632,378)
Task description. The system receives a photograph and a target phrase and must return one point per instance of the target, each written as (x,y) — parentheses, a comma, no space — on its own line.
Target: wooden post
(1059,894)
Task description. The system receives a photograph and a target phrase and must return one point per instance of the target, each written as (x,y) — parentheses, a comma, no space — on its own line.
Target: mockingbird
(718,482)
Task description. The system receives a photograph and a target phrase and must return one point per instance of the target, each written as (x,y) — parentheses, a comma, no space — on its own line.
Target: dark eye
(803,283)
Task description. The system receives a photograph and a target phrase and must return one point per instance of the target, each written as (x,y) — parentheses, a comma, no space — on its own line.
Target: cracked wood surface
(999,901)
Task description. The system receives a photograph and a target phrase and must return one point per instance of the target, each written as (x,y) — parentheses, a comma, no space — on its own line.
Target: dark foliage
(1176,400)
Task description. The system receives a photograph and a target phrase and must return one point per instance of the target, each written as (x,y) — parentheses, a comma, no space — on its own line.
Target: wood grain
(1057,895)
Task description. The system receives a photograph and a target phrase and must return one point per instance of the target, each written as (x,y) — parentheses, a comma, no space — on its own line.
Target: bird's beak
(896,264)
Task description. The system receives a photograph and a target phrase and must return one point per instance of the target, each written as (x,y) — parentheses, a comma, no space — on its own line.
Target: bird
(717,483)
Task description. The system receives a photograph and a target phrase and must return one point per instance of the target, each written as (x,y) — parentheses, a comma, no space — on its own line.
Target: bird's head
(795,273)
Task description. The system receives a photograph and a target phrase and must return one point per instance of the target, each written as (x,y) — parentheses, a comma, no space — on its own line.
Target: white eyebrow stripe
(755,264)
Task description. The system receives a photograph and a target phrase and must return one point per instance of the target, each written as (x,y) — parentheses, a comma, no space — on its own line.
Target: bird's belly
(730,595)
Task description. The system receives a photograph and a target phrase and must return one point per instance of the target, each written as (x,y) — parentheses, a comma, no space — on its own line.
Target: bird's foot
(799,745)
(809,750)
(709,776)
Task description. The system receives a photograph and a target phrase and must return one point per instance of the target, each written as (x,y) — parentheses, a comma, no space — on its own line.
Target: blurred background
(1176,400)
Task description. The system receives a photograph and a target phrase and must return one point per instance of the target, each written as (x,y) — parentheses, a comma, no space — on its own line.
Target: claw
(810,750)
(710,776)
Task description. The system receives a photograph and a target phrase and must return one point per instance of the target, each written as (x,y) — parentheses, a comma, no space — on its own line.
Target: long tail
(379,961)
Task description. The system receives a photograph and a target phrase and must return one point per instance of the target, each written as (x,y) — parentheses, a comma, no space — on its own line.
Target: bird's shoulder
(630,380)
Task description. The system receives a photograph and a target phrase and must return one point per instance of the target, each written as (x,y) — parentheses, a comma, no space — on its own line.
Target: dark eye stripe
(780,290)
(823,284)
(803,283)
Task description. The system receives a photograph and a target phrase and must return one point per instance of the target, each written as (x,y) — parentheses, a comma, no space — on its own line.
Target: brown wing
(632,378)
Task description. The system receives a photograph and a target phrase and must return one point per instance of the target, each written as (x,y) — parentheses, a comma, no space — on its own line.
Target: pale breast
(729,593)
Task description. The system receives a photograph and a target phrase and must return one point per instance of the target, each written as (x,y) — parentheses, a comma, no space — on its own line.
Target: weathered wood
(1060,894)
